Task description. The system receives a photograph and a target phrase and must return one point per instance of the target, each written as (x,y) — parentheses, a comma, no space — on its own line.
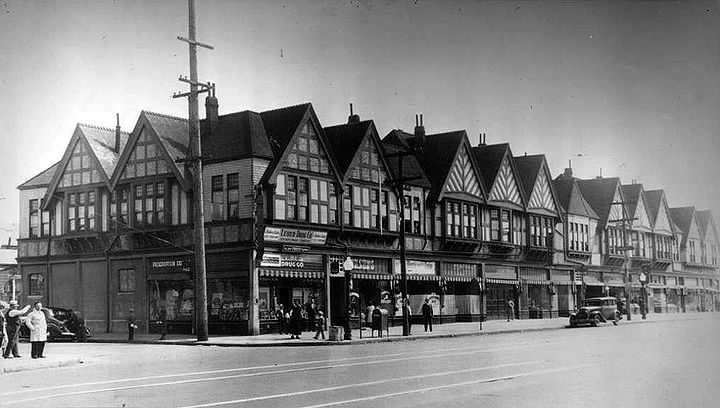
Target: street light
(643,294)
(348,267)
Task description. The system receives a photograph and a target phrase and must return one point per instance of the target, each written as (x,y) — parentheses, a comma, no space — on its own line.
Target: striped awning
(594,284)
(503,281)
(285,273)
(536,282)
(372,276)
(458,278)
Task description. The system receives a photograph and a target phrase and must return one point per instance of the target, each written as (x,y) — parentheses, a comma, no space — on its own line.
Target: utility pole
(625,248)
(195,160)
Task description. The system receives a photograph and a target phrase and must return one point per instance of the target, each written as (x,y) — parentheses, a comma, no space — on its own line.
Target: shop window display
(176,296)
(228,298)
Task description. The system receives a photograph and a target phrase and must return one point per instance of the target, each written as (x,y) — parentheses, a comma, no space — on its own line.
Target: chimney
(419,131)
(482,140)
(211,110)
(353,118)
(117,133)
(568,170)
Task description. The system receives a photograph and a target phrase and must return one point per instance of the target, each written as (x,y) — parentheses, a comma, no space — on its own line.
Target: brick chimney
(568,170)
(353,118)
(211,110)
(419,131)
(481,143)
(117,133)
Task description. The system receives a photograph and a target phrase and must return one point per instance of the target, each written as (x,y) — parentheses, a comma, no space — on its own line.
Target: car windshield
(592,302)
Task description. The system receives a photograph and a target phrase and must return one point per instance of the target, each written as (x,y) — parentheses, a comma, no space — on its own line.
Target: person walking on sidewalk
(162,322)
(427,313)
(310,312)
(131,324)
(3,333)
(38,331)
(280,316)
(12,327)
(320,325)
(409,314)
(296,320)
(510,308)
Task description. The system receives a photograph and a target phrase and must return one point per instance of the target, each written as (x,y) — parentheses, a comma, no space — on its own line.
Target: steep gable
(536,181)
(505,188)
(605,198)
(658,212)
(570,197)
(616,214)
(641,216)
(684,218)
(463,176)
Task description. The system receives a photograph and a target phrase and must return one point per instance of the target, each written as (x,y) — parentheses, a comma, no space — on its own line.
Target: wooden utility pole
(195,160)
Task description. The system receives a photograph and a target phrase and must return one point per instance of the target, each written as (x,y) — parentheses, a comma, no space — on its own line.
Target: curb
(32,365)
(284,343)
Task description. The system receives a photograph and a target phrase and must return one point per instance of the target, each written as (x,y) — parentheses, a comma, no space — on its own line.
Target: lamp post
(643,295)
(348,267)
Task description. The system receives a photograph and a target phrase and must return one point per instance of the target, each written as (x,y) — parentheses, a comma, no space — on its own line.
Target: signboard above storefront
(294,236)
(171,265)
(295,248)
(292,261)
(415,267)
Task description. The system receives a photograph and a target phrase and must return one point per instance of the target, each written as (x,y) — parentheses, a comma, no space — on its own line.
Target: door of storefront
(496,299)
(337,300)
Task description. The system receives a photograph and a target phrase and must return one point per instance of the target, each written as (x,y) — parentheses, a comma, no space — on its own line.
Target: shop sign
(170,265)
(294,236)
(499,272)
(292,261)
(415,267)
(295,248)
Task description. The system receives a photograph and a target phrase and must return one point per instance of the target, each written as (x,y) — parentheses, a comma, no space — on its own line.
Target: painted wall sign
(292,261)
(416,267)
(294,236)
(170,265)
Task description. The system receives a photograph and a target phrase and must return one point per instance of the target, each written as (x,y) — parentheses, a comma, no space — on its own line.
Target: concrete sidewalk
(25,363)
(395,333)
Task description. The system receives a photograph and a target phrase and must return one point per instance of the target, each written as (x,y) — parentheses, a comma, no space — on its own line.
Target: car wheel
(573,324)
(596,321)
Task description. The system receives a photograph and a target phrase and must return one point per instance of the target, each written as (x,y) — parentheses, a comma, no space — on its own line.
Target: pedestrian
(369,312)
(280,316)
(510,309)
(162,317)
(3,332)
(320,325)
(12,327)
(296,320)
(131,324)
(409,315)
(38,331)
(310,312)
(427,313)
(80,327)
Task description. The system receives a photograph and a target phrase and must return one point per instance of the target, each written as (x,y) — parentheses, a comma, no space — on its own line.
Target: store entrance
(337,301)
(496,299)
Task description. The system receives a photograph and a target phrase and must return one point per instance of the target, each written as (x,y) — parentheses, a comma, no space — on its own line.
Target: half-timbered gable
(303,172)
(368,201)
(684,218)
(542,204)
(640,228)
(580,220)
(662,227)
(606,198)
(709,238)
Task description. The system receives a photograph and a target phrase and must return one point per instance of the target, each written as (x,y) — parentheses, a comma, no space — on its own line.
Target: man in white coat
(38,331)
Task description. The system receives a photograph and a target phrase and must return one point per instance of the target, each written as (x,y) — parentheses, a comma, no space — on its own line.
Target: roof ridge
(287,107)
(164,115)
(98,127)
(362,122)
(237,113)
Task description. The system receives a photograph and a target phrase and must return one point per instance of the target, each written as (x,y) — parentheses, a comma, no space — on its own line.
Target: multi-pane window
(217,197)
(149,204)
(233,196)
(347,206)
(579,239)
(307,154)
(663,247)
(79,170)
(499,225)
(81,211)
(124,195)
(388,211)
(368,166)
(714,254)
(519,229)
(412,215)
(225,196)
(112,211)
(676,250)
(305,199)
(691,251)
(614,240)
(460,219)
(34,218)
(126,280)
(37,284)
(361,207)
(145,159)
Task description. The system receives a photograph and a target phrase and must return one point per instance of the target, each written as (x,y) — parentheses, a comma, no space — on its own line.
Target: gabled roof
(705,223)
(171,132)
(345,141)
(489,159)
(438,157)
(571,198)
(281,126)
(530,169)
(396,142)
(42,179)
(683,218)
(599,193)
(101,143)
(654,200)
(236,136)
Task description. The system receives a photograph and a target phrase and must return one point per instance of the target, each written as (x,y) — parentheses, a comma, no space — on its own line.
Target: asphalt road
(664,364)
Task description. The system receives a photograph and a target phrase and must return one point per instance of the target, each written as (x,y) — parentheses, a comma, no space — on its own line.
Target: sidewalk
(25,363)
(439,331)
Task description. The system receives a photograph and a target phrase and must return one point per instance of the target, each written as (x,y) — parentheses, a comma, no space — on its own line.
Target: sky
(629,87)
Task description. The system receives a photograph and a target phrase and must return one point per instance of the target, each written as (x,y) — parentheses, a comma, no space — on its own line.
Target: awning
(503,281)
(458,278)
(167,276)
(284,273)
(594,284)
(536,282)
(417,277)
(372,276)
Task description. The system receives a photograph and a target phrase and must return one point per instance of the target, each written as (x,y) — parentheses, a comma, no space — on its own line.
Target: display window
(176,296)
(228,300)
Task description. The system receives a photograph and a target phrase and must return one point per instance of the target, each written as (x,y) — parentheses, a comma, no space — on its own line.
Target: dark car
(596,310)
(62,323)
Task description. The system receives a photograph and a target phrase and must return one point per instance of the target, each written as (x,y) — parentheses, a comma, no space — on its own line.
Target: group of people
(291,321)
(10,322)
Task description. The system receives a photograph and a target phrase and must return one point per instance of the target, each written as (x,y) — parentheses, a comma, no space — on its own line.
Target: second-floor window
(225,197)
(540,231)
(663,247)
(676,250)
(691,251)
(579,239)
(304,199)
(81,211)
(498,225)
(34,218)
(149,204)
(460,219)
(412,215)
(614,240)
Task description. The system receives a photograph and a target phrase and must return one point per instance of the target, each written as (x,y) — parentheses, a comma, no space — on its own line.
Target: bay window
(304,199)
(81,211)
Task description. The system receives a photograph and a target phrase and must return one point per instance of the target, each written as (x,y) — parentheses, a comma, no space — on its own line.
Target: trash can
(379,322)
(336,333)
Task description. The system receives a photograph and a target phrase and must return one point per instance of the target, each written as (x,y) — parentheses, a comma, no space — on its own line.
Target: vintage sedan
(596,310)
(63,324)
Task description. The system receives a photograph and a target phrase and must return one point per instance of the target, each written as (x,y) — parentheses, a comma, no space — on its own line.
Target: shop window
(126,280)
(37,284)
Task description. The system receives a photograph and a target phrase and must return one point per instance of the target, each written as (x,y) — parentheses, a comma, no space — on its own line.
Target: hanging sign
(294,236)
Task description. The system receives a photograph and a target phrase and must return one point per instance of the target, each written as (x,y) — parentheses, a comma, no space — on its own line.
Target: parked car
(596,310)
(63,324)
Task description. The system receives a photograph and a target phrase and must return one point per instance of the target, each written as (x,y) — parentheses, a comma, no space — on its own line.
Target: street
(659,364)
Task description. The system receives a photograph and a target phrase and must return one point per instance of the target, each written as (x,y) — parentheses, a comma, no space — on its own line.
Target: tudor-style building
(664,253)
(709,247)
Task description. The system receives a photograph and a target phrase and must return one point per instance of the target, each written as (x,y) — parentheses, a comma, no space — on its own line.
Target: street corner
(14,365)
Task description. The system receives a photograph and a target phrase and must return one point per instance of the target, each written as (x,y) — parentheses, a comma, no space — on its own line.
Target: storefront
(562,285)
(615,283)
(423,282)
(460,292)
(501,285)
(594,286)
(536,302)
(170,288)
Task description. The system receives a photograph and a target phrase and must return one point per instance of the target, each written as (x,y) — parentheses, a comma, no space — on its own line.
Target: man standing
(510,310)
(12,323)
(38,331)
(162,317)
(427,313)
(310,312)
(131,324)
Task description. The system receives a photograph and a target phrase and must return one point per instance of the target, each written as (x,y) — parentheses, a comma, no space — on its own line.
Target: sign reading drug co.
(294,236)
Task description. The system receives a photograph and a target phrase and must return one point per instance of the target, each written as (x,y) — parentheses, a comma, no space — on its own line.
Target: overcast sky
(631,87)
